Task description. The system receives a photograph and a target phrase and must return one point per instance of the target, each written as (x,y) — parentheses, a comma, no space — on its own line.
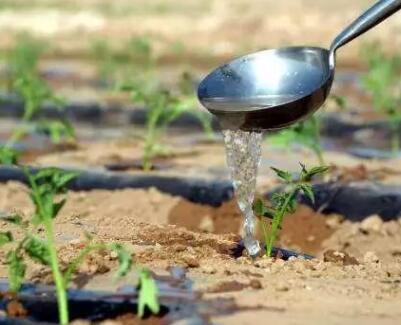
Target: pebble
(339,257)
(281,286)
(370,257)
(191,261)
(372,224)
(208,269)
(334,221)
(207,224)
(391,228)
(255,284)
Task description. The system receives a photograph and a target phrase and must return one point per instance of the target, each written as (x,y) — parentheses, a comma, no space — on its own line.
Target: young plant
(285,201)
(306,133)
(163,108)
(148,293)
(187,95)
(23,58)
(46,186)
(34,91)
(383,82)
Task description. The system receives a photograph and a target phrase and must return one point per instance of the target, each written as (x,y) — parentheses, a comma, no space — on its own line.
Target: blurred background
(67,66)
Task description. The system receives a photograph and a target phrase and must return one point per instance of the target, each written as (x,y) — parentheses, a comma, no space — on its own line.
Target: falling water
(243,151)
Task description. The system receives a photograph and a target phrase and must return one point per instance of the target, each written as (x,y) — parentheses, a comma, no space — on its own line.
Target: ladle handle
(369,19)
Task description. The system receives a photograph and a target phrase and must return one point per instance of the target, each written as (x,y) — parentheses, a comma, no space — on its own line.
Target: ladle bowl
(275,88)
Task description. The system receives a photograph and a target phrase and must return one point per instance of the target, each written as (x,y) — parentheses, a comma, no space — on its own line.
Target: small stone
(255,284)
(333,221)
(208,269)
(370,257)
(311,238)
(396,251)
(371,224)
(191,261)
(207,224)
(283,287)
(179,248)
(391,228)
(339,258)
(113,255)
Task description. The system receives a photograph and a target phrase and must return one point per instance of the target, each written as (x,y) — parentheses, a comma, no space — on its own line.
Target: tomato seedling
(383,83)
(306,133)
(285,201)
(46,186)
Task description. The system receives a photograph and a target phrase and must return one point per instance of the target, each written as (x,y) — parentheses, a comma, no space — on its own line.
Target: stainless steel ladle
(275,88)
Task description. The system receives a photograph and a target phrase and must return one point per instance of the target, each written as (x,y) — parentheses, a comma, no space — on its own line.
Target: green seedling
(134,57)
(285,201)
(306,133)
(35,92)
(56,130)
(24,57)
(383,82)
(46,187)
(8,156)
(163,109)
(187,87)
(148,294)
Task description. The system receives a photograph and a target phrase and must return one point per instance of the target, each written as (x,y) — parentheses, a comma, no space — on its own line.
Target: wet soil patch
(305,230)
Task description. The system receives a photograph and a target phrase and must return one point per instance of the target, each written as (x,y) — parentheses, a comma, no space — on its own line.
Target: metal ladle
(275,88)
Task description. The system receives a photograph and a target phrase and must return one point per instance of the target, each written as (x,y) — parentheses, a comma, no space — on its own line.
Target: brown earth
(312,292)
(199,30)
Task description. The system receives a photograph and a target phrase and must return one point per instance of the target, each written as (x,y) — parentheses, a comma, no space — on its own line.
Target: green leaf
(37,249)
(307,175)
(8,156)
(261,210)
(124,260)
(5,238)
(284,175)
(307,190)
(16,270)
(57,207)
(148,294)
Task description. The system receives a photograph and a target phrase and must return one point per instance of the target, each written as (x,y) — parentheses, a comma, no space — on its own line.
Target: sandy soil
(213,28)
(346,291)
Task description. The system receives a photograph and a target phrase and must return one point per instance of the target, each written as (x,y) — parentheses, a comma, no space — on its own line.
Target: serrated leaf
(16,270)
(284,175)
(5,238)
(37,249)
(308,191)
(261,210)
(309,174)
(259,207)
(148,294)
(57,207)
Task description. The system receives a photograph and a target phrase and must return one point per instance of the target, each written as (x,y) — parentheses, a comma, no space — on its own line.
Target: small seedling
(163,109)
(285,201)
(306,133)
(8,156)
(383,82)
(35,92)
(46,186)
(148,294)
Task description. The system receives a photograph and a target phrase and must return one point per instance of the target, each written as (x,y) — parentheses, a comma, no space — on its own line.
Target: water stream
(243,152)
